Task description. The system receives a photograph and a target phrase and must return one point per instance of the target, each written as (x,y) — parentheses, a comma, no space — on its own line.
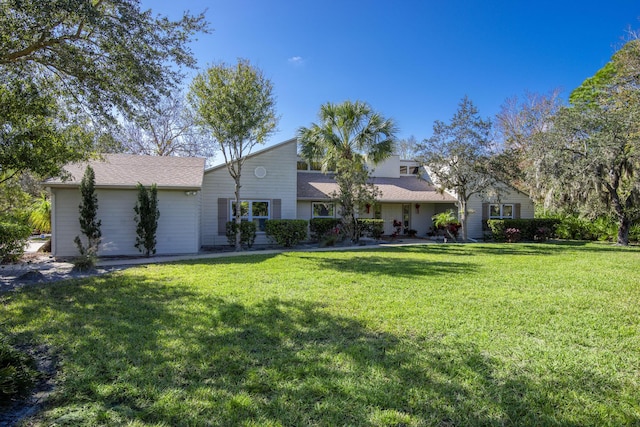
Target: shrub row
(320,227)
(371,227)
(290,232)
(286,232)
(13,239)
(538,229)
(248,232)
(602,228)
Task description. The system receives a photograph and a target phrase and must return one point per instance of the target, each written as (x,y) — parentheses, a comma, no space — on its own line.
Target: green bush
(17,372)
(371,227)
(321,227)
(286,232)
(634,233)
(530,228)
(248,232)
(13,239)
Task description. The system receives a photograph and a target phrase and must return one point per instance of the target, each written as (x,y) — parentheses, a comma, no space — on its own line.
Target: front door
(406,218)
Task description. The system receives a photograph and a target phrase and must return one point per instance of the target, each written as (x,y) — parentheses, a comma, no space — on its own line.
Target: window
(323,210)
(497,211)
(257,211)
(409,170)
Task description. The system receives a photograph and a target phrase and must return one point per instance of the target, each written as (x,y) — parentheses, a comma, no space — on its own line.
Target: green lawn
(442,335)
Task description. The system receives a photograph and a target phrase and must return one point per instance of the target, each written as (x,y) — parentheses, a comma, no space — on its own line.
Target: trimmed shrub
(147,215)
(13,239)
(320,227)
(529,228)
(286,232)
(512,235)
(17,372)
(370,227)
(248,232)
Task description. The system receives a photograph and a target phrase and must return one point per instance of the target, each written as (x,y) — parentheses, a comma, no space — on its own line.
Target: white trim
(501,207)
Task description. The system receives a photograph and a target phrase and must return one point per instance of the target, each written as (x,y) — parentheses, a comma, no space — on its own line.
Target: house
(195,204)
(179,183)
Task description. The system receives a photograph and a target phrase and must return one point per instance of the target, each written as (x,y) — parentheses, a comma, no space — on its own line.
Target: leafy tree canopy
(457,156)
(590,158)
(236,106)
(103,54)
(346,136)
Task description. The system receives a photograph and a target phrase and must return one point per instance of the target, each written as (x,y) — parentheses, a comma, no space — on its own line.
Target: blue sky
(410,60)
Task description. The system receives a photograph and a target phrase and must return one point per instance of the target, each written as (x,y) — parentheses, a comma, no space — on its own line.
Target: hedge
(371,227)
(530,228)
(320,227)
(13,239)
(286,232)
(247,233)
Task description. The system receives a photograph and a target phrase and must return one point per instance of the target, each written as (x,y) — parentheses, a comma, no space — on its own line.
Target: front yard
(440,335)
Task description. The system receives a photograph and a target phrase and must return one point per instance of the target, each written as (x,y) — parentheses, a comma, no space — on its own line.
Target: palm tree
(40,215)
(348,135)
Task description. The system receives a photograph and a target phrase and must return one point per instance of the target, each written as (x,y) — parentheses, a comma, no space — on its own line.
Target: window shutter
(276,209)
(516,209)
(485,216)
(223,216)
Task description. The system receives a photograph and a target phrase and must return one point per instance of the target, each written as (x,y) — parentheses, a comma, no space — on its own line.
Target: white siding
(280,182)
(177,225)
(508,196)
(390,168)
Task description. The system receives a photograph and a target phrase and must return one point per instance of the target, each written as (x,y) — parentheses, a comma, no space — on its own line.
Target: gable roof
(257,153)
(319,186)
(127,170)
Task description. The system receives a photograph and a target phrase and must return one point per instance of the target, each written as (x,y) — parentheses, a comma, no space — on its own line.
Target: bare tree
(166,129)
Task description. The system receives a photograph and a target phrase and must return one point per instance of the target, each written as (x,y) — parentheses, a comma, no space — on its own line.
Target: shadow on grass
(379,263)
(142,350)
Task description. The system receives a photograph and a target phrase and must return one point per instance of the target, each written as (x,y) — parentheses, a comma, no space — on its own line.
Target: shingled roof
(127,170)
(318,186)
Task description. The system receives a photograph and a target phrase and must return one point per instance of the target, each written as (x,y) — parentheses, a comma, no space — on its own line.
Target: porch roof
(319,186)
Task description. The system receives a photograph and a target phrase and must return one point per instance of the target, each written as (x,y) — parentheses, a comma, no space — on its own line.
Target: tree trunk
(238,212)
(462,215)
(623,231)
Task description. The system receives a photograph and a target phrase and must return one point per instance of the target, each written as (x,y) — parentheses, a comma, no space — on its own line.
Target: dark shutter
(223,216)
(516,213)
(485,216)
(276,209)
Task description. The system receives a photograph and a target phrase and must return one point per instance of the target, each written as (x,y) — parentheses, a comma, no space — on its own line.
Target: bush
(529,228)
(634,233)
(542,234)
(17,372)
(286,232)
(321,227)
(512,235)
(13,239)
(371,227)
(446,224)
(248,232)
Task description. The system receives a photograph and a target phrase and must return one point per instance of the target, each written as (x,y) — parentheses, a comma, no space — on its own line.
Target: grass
(436,335)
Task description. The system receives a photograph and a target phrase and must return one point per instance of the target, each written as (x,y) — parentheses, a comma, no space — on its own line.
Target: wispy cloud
(296,61)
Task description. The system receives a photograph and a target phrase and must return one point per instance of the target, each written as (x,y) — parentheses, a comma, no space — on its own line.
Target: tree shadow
(381,264)
(157,352)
